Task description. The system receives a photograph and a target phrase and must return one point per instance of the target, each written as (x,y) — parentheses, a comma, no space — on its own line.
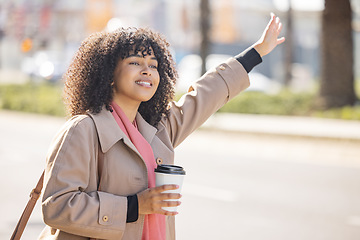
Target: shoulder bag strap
(34,195)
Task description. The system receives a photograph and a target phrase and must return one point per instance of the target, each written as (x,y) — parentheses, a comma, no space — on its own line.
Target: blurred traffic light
(26,45)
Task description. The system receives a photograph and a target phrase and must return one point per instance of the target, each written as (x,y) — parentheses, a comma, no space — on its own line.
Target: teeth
(144,83)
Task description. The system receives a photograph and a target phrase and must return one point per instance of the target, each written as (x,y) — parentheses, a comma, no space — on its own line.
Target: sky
(308,5)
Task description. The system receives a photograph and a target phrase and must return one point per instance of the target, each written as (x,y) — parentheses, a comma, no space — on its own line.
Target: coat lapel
(109,132)
(146,130)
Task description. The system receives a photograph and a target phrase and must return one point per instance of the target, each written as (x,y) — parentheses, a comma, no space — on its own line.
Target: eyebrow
(137,55)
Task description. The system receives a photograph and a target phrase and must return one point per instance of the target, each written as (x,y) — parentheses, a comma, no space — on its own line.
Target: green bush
(46,99)
(35,98)
(284,103)
(346,113)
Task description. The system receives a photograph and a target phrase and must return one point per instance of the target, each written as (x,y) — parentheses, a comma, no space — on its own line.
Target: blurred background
(269,165)
(39,37)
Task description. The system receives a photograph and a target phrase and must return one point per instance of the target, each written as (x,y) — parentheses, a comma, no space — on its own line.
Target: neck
(130,110)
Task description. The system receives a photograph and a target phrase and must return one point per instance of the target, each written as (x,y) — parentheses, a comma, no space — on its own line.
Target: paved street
(238,186)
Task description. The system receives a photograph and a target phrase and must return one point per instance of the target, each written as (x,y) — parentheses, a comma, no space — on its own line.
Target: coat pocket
(136,178)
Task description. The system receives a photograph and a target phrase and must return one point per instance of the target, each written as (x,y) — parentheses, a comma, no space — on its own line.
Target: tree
(289,45)
(204,28)
(337,74)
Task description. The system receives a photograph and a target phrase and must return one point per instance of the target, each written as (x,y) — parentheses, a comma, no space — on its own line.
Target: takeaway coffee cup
(170,174)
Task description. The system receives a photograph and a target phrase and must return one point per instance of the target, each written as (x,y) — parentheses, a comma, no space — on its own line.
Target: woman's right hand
(152,200)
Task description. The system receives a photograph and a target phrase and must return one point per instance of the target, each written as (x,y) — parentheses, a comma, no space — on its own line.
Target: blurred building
(28,27)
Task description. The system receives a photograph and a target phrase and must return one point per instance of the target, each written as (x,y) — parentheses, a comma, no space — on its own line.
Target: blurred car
(261,83)
(190,70)
(44,65)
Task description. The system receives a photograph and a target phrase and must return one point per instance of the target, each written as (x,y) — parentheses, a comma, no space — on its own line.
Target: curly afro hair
(89,78)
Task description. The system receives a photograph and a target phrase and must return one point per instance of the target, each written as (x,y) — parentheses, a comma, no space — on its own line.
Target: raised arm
(219,85)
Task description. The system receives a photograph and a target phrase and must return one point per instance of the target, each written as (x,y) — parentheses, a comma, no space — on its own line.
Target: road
(238,186)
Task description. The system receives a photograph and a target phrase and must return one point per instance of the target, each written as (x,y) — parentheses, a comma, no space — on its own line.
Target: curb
(285,126)
(270,125)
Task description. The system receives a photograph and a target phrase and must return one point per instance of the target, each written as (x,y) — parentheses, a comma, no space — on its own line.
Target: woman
(99,179)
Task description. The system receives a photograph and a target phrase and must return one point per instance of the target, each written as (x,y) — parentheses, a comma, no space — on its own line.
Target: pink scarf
(154,225)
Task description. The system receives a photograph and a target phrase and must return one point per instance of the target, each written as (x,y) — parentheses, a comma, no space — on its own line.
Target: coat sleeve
(204,98)
(71,201)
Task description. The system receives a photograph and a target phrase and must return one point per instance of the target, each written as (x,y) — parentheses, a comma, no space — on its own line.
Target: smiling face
(136,79)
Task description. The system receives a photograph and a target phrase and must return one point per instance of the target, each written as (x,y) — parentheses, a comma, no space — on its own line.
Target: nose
(146,71)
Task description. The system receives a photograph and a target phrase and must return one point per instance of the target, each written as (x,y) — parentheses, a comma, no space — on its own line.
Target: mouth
(144,83)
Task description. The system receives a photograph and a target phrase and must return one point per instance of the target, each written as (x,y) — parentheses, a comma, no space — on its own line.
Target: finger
(167,204)
(168,213)
(280,40)
(170,187)
(280,27)
(165,196)
(275,23)
(170,203)
(272,20)
(272,15)
(166,187)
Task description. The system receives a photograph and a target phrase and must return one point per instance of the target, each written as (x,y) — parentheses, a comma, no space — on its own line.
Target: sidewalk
(289,126)
(285,126)
(297,174)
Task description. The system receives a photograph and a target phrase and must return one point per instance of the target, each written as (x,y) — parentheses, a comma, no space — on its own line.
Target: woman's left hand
(270,37)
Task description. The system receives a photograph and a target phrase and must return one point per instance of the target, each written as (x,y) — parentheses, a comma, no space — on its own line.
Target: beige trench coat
(71,203)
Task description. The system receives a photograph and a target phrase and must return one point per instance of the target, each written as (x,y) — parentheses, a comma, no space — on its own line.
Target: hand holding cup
(170,174)
(163,199)
(152,200)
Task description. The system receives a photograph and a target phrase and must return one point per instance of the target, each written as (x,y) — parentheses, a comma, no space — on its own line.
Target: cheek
(157,85)
(157,78)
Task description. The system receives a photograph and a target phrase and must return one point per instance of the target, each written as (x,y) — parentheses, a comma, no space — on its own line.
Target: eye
(153,66)
(133,63)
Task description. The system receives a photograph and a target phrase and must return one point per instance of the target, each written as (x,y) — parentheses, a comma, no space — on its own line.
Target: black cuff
(132,209)
(249,59)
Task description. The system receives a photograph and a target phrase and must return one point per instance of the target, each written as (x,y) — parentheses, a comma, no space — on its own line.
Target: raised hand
(270,37)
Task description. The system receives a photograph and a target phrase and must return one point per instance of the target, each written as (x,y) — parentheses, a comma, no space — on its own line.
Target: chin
(146,98)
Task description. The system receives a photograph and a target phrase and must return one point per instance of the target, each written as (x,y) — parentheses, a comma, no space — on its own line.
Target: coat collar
(109,132)
(147,130)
